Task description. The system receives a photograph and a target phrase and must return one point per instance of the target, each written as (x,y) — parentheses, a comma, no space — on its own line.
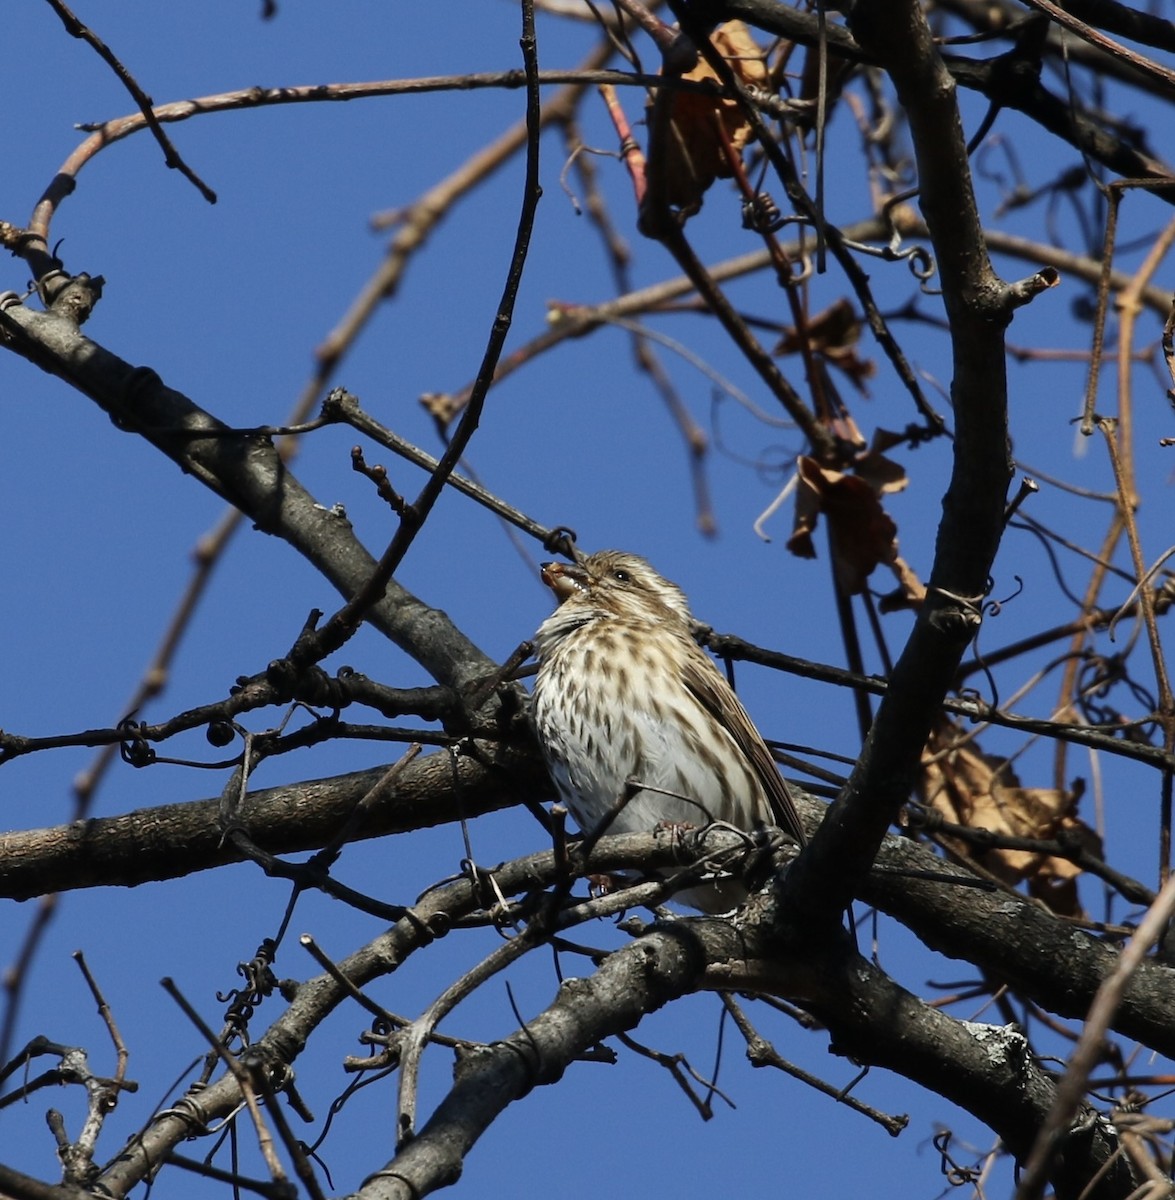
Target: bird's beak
(564,579)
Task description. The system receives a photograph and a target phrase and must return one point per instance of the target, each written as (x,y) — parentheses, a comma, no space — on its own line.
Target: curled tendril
(134,748)
(921,263)
(260,982)
(1097,679)
(955,1175)
(993,608)
(761,214)
(561,540)
(919,260)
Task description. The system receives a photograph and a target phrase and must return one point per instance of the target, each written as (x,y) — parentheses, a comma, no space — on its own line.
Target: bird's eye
(622,576)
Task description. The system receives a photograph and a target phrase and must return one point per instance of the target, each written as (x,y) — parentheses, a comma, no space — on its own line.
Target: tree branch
(247,472)
(824,879)
(175,840)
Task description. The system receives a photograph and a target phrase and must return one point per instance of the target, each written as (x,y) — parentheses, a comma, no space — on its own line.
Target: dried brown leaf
(971,788)
(884,475)
(833,334)
(695,153)
(862,535)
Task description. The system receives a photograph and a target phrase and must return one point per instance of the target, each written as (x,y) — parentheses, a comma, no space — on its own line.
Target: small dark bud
(220,733)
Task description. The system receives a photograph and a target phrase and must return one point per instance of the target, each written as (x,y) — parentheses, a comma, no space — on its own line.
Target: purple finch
(627,703)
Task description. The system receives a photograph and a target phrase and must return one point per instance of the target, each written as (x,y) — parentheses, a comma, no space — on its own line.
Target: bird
(626,702)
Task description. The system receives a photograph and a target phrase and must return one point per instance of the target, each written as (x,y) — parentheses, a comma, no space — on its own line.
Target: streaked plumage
(624,692)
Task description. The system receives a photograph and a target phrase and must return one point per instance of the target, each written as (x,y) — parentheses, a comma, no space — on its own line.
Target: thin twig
(343,624)
(240,1074)
(1166,713)
(761,1053)
(1089,1046)
(171,155)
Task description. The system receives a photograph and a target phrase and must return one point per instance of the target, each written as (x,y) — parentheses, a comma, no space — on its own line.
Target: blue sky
(228,303)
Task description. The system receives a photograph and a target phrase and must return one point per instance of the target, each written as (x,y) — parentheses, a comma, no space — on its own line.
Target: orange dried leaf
(808,505)
(909,593)
(862,532)
(695,153)
(747,59)
(862,535)
(883,474)
(842,427)
(970,788)
(833,334)
(886,439)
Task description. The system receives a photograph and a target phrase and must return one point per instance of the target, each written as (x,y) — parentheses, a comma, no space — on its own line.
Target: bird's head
(614,583)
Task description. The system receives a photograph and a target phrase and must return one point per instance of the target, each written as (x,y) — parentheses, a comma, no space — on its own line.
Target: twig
(681,1072)
(240,1074)
(1113,202)
(1089,1045)
(1166,713)
(1094,37)
(171,156)
(970,707)
(343,624)
(107,1016)
(761,1053)
(341,405)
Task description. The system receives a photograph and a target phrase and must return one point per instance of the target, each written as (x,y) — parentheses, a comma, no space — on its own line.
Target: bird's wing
(708,686)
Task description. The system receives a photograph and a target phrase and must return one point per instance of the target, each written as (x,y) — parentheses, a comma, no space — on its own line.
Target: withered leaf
(971,788)
(862,535)
(833,334)
(694,152)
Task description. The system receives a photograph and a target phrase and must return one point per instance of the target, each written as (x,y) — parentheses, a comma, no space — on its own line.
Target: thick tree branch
(977,308)
(986,1070)
(175,840)
(1009,940)
(247,472)
(1037,954)
(994,16)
